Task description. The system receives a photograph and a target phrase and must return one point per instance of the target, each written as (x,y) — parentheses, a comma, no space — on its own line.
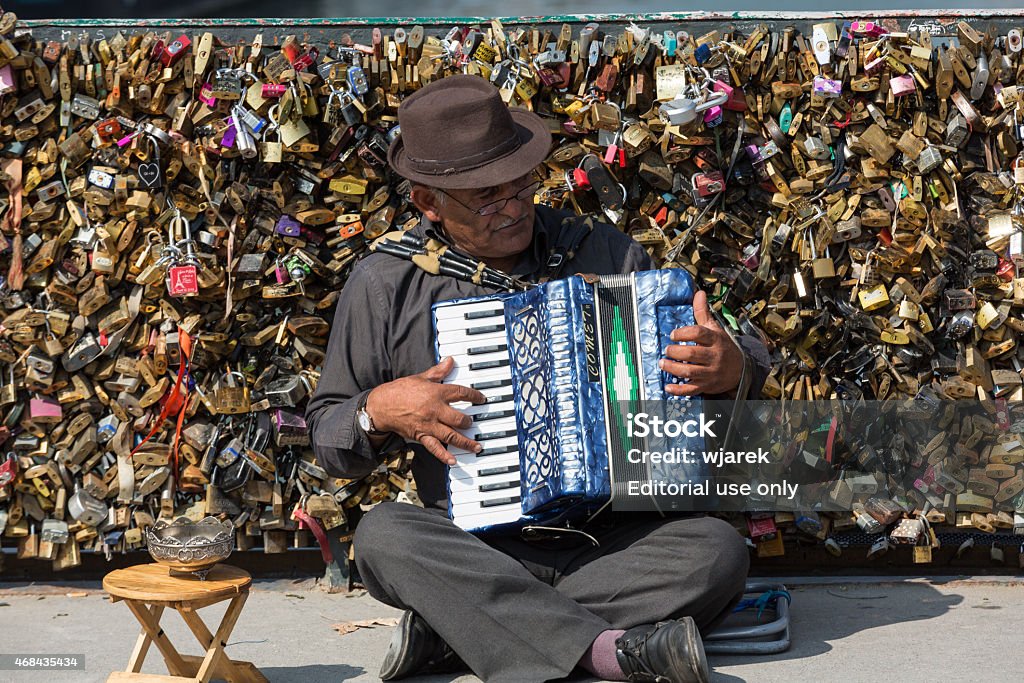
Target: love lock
(682,111)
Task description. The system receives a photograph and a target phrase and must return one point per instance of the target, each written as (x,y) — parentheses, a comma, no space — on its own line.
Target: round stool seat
(154,583)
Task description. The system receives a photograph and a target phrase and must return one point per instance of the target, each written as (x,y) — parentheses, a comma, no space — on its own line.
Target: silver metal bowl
(187,546)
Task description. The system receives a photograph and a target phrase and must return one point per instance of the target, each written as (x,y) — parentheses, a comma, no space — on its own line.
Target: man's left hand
(713,365)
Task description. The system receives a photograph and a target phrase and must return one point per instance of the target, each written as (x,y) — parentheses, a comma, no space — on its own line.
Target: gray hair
(439,196)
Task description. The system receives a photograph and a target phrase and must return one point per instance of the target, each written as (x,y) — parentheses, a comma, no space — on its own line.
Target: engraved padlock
(285,392)
(929,159)
(231,397)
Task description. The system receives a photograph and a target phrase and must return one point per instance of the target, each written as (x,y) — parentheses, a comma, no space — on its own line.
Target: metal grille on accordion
(562,365)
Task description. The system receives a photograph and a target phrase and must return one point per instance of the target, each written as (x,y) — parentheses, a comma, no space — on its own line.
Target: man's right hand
(417,409)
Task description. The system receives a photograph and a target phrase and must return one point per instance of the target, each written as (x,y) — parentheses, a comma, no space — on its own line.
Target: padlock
(929,159)
(226,84)
(93,225)
(708,183)
(231,397)
(285,392)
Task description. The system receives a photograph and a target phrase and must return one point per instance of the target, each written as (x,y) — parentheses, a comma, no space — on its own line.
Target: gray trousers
(522,611)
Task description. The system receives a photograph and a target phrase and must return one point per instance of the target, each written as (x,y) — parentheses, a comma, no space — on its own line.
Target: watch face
(364,420)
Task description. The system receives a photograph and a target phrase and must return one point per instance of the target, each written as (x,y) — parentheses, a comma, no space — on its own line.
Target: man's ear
(423,199)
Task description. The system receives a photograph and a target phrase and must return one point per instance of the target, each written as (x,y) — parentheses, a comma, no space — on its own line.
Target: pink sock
(600,659)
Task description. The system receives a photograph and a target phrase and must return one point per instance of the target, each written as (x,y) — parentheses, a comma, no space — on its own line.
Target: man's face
(500,236)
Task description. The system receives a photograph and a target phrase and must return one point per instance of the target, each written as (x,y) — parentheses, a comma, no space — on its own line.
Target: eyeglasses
(497,205)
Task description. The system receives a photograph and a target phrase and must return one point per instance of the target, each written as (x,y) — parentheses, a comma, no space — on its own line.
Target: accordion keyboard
(484,487)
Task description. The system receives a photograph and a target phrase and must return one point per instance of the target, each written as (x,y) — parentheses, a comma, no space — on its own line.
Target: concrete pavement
(843,630)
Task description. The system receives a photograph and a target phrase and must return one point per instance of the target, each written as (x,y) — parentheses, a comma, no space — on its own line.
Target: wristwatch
(365,421)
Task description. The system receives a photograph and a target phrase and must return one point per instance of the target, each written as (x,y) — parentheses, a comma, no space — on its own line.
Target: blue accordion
(563,366)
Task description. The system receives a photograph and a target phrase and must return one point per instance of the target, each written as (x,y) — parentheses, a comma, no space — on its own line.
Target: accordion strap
(437,258)
(574,230)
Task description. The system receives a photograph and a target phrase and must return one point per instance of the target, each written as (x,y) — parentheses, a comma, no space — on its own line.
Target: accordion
(561,366)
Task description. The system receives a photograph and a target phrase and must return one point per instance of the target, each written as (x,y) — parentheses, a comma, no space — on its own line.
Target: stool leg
(215,644)
(222,667)
(151,625)
(142,645)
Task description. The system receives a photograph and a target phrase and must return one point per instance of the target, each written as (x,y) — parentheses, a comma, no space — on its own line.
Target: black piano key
(476,315)
(494,415)
(491,384)
(495,502)
(488,364)
(497,486)
(499,398)
(495,348)
(491,471)
(494,435)
(497,450)
(485,329)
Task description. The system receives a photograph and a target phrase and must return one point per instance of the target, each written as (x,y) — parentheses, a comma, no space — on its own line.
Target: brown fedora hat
(456,133)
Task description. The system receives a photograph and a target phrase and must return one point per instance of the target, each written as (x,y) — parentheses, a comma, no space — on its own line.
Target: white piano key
(444,325)
(485,517)
(479,333)
(490,484)
(484,408)
(460,310)
(494,396)
(474,363)
(473,470)
(466,377)
(461,347)
(492,448)
(485,499)
(468,471)
(480,432)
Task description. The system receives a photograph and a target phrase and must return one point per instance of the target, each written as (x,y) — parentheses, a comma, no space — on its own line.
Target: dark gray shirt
(382,330)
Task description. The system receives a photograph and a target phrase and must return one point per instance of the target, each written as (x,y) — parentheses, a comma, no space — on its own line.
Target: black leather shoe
(416,649)
(666,652)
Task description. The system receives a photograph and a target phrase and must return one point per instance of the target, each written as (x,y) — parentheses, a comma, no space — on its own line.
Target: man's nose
(515,207)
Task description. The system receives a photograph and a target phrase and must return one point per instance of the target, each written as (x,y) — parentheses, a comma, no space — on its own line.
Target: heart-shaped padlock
(149,175)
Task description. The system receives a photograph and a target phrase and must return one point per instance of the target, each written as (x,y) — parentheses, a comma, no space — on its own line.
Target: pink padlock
(736,101)
(8,83)
(902,85)
(713,116)
(827,87)
(867,28)
(874,65)
(45,410)
(206,95)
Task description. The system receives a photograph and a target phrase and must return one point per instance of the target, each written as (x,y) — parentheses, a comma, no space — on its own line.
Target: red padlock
(273,89)
(709,183)
(579,181)
(8,470)
(182,280)
(762,528)
(175,50)
(109,128)
(1006,269)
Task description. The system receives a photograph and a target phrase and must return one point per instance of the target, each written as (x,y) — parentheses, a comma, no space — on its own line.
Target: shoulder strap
(439,259)
(572,232)
(436,258)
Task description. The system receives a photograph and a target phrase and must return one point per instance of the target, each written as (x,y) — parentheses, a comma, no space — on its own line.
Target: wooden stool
(148,589)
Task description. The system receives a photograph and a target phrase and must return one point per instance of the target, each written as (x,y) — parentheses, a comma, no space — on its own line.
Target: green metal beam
(325,30)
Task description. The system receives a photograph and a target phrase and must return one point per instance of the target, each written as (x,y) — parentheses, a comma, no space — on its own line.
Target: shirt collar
(532,260)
